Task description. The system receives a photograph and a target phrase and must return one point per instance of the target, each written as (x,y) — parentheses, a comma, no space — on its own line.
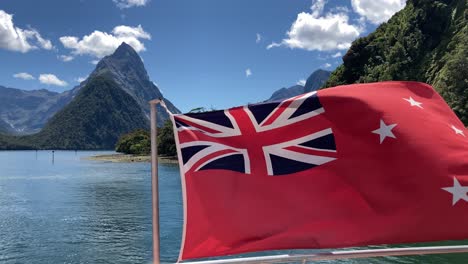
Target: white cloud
(274,45)
(131,32)
(301,82)
(317,7)
(340,9)
(130,3)
(377,11)
(80,79)
(336,55)
(66,58)
(16,39)
(43,43)
(94,62)
(259,38)
(24,76)
(100,44)
(326,65)
(248,72)
(51,79)
(312,31)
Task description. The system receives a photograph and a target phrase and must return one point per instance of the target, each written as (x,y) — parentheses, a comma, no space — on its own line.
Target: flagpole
(335,255)
(154,180)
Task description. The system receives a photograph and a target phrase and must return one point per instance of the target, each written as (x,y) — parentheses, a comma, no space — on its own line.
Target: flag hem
(183,186)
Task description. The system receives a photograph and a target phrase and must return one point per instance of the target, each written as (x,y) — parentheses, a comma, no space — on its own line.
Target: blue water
(81,211)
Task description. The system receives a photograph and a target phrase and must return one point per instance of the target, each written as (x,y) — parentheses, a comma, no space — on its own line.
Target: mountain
(95,119)
(4,127)
(284,93)
(426,41)
(126,68)
(315,81)
(26,112)
(112,101)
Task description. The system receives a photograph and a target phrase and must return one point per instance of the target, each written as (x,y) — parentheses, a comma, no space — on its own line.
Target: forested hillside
(426,41)
(95,119)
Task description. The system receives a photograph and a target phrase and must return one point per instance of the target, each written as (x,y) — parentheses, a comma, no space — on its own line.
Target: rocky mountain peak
(126,68)
(124,50)
(124,60)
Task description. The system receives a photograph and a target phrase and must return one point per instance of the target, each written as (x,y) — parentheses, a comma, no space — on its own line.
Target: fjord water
(76,210)
(82,211)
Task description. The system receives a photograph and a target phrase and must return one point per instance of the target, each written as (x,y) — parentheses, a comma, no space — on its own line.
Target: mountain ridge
(112,101)
(100,113)
(316,80)
(135,80)
(27,111)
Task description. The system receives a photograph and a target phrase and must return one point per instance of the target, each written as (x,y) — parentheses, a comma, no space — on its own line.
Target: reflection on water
(80,211)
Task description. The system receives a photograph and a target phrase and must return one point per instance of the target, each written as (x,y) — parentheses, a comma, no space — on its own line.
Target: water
(82,211)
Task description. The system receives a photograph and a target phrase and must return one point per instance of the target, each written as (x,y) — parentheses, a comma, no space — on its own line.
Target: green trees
(166,141)
(95,119)
(426,42)
(138,142)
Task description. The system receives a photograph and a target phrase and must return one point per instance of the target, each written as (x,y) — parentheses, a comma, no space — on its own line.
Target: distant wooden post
(53,156)
(154,180)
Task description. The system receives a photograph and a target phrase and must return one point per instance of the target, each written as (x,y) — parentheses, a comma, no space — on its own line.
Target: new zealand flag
(356,165)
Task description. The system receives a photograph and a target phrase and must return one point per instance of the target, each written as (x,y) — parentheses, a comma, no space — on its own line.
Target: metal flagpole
(154,180)
(348,254)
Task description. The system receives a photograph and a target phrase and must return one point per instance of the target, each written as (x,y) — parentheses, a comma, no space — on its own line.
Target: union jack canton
(271,138)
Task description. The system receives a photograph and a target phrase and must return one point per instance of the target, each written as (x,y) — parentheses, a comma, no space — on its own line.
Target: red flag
(354,165)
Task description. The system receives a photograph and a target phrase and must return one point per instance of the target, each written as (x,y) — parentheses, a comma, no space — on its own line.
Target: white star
(458,131)
(413,102)
(459,192)
(384,131)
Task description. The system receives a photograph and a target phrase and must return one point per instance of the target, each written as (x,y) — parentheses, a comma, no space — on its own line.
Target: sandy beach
(131,158)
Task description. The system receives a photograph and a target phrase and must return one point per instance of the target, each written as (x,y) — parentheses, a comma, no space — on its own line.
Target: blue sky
(208,53)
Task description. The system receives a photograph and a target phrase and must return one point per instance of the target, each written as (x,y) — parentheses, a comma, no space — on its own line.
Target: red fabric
(373,193)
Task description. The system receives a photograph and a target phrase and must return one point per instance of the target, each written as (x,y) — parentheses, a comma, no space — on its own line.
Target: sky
(205,53)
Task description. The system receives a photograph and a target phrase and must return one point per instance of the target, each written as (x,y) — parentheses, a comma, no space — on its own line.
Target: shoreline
(130,158)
